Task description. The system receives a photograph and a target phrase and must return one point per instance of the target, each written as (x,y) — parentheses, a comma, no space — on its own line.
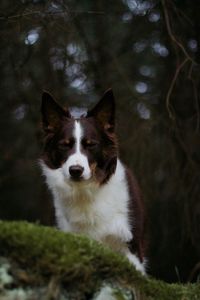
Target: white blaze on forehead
(78,133)
(77,158)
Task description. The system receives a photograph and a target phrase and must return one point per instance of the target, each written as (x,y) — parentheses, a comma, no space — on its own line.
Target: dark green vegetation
(77,264)
(149,52)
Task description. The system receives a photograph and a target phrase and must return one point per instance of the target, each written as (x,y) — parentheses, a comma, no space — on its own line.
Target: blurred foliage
(149,53)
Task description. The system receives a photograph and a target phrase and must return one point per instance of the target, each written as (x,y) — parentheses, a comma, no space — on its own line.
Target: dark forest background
(149,53)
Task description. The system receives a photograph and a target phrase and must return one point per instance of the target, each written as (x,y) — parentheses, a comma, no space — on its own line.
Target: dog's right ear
(52,113)
(104,111)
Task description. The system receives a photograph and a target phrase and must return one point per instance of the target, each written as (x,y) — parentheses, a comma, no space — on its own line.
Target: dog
(94,193)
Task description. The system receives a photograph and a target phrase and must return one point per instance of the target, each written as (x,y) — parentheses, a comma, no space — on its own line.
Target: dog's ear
(104,111)
(52,112)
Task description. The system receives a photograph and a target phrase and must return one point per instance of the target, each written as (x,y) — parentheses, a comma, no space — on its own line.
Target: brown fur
(137,217)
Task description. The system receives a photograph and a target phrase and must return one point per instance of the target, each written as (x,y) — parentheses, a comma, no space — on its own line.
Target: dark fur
(137,217)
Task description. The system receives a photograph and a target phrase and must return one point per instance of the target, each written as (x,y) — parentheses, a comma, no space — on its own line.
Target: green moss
(76,261)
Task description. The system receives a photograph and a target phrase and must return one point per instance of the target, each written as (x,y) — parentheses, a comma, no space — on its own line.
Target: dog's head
(84,148)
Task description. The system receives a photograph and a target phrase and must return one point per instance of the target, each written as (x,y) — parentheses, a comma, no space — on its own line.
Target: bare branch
(171,34)
(42,14)
(180,46)
(196,97)
(168,104)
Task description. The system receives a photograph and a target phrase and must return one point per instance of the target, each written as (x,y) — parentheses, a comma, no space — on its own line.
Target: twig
(182,14)
(171,34)
(178,69)
(60,12)
(195,96)
(180,66)
(194,271)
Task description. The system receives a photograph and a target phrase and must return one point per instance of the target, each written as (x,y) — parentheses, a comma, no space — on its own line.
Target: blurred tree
(149,52)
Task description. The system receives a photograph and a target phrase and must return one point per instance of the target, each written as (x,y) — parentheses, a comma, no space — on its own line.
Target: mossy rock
(37,260)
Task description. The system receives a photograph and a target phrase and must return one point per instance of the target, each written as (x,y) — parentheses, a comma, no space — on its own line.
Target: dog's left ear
(104,111)
(52,113)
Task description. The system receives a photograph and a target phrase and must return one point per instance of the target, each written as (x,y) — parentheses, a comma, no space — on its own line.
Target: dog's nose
(76,171)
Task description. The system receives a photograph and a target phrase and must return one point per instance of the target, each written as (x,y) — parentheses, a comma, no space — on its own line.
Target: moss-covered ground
(43,256)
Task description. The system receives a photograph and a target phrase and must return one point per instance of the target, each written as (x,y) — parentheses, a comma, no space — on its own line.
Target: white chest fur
(99,212)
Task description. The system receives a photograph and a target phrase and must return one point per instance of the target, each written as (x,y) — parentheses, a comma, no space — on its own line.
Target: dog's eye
(90,143)
(66,144)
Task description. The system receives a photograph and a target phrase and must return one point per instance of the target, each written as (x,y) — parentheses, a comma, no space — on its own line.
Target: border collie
(93,192)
